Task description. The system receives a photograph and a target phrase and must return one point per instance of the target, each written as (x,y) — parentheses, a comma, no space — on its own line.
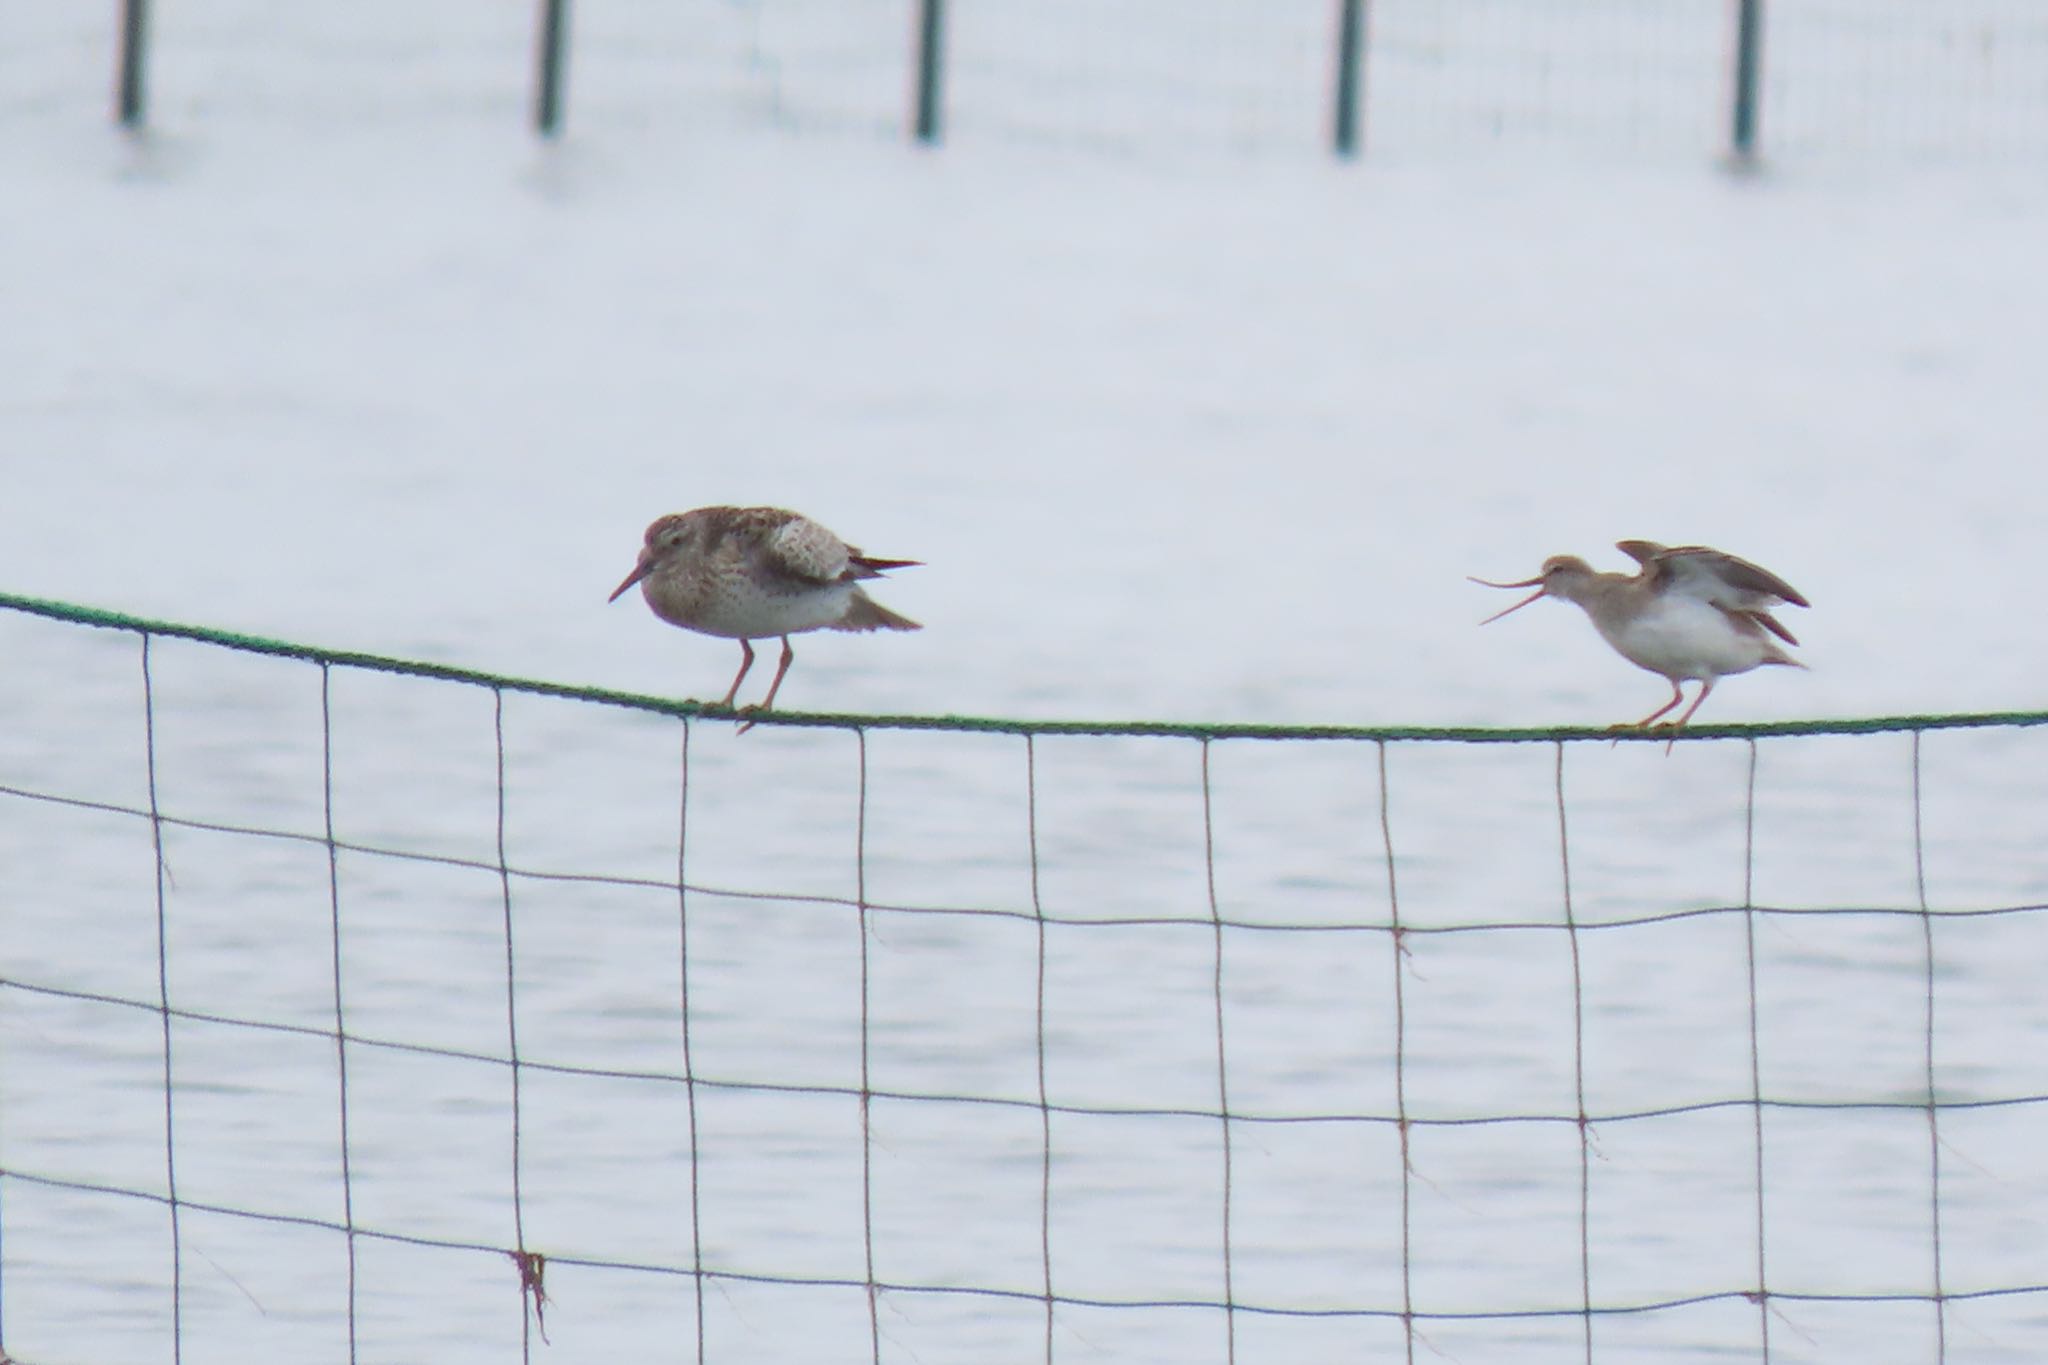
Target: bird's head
(667,539)
(1561,576)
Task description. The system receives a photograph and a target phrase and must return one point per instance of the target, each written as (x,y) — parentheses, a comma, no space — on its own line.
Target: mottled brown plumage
(750,573)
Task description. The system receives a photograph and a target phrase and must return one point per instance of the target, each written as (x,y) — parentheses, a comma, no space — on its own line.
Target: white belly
(735,610)
(1683,637)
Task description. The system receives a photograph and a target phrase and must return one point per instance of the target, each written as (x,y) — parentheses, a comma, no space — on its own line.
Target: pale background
(1188,421)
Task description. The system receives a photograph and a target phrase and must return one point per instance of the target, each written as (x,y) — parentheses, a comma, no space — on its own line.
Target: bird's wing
(1642,552)
(1719,578)
(1772,624)
(804,549)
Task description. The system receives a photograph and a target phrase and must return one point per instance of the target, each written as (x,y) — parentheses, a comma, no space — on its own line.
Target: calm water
(776,859)
(1177,438)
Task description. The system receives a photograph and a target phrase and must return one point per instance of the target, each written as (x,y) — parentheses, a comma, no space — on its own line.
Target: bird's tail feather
(865,613)
(867,566)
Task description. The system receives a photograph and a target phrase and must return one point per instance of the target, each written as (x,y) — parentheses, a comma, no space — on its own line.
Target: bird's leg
(1706,686)
(1677,696)
(746,662)
(788,657)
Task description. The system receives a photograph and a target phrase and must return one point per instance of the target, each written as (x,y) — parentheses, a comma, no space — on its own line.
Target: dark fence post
(931,40)
(1350,73)
(547,95)
(134,44)
(1749,41)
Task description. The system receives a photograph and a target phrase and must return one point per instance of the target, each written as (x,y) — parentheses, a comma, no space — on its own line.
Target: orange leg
(746,662)
(1706,686)
(1677,696)
(788,657)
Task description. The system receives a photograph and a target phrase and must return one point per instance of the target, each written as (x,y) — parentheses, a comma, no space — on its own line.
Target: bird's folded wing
(808,550)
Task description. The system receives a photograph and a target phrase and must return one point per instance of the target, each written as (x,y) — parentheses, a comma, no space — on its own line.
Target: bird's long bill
(640,571)
(1536,583)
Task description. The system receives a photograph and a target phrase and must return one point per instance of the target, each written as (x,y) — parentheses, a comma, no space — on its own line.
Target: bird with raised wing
(754,573)
(1688,614)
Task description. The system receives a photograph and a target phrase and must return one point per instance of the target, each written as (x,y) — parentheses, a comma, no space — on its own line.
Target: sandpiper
(1690,613)
(749,573)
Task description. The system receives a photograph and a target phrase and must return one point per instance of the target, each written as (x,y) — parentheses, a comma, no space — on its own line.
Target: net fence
(357,1008)
(1839,77)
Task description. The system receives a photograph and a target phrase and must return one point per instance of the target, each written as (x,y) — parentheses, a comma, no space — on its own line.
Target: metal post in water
(547,96)
(1749,41)
(931,37)
(1350,74)
(134,45)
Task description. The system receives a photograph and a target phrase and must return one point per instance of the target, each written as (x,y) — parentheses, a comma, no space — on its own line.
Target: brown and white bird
(753,573)
(1690,613)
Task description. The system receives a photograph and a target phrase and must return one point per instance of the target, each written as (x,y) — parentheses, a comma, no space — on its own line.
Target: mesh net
(360,1008)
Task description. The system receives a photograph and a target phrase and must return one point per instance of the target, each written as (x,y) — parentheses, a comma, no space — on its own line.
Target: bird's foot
(1669,729)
